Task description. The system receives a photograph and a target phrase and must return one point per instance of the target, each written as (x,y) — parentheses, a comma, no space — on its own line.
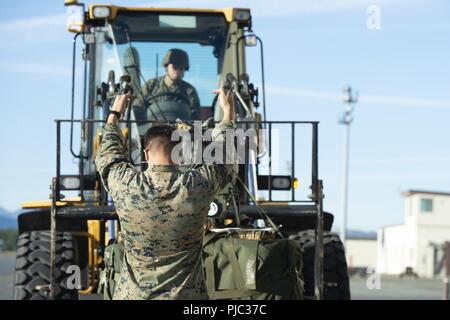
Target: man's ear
(145,155)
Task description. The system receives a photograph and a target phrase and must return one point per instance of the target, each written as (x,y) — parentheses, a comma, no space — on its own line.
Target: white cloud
(302,93)
(258,7)
(275,8)
(412,160)
(406,101)
(382,100)
(293,7)
(39,30)
(31,24)
(45,28)
(32,32)
(28,67)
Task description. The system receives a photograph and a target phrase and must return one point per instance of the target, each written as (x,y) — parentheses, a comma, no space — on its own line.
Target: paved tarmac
(389,287)
(7,262)
(394,288)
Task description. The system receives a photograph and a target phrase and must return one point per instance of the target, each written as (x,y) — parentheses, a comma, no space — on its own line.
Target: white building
(416,243)
(361,252)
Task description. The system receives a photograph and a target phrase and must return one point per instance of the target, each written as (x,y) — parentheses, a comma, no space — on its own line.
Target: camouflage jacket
(162,213)
(157,85)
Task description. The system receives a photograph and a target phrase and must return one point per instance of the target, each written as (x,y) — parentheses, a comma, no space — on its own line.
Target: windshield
(149,36)
(202,73)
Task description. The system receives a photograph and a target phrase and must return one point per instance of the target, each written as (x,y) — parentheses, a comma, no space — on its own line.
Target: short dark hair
(160,131)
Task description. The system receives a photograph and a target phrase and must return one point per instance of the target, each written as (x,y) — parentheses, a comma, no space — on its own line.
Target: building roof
(413,192)
(391,225)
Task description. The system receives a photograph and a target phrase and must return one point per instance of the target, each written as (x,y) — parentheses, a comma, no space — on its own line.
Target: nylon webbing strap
(238,278)
(261,211)
(209,265)
(237,273)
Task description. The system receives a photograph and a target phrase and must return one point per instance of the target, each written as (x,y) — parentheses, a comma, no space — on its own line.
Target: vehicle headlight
(70,183)
(75,17)
(242,15)
(101,12)
(281,183)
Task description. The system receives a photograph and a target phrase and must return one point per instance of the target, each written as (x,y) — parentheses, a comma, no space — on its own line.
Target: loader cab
(134,41)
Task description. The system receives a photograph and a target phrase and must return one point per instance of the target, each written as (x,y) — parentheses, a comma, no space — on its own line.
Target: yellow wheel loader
(62,241)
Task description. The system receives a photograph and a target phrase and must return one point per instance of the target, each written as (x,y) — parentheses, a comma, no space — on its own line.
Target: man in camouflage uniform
(162,211)
(176,62)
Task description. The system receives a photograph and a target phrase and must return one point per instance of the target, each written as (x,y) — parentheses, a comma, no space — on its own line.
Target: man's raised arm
(112,159)
(221,174)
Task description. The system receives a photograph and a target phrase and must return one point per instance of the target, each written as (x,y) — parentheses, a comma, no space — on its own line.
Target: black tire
(335,272)
(33,265)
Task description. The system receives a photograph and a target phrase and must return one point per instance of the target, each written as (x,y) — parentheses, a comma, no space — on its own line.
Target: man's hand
(120,104)
(226,101)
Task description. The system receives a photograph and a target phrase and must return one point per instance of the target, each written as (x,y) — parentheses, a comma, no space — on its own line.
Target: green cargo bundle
(234,268)
(109,276)
(238,268)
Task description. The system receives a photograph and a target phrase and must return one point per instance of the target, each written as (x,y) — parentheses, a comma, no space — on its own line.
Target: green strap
(241,291)
(261,210)
(209,265)
(152,87)
(243,288)
(210,236)
(236,269)
(214,294)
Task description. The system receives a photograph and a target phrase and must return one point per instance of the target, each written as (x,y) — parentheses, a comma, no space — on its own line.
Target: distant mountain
(8,220)
(359,234)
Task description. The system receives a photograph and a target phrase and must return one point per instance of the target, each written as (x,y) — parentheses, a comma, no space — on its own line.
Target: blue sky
(399,139)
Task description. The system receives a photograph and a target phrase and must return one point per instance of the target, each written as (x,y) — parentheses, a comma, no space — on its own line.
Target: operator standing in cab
(162,211)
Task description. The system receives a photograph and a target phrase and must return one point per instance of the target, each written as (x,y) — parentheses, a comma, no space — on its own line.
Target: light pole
(346,120)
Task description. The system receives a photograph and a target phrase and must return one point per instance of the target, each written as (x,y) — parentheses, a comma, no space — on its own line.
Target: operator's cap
(176,57)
